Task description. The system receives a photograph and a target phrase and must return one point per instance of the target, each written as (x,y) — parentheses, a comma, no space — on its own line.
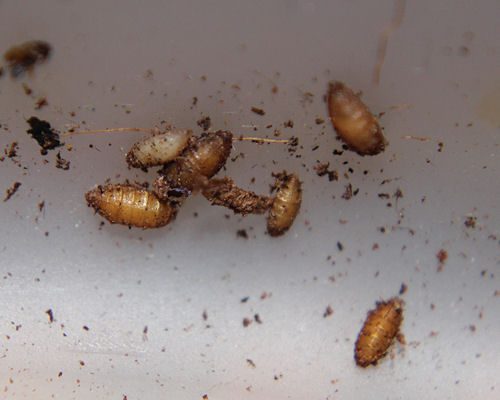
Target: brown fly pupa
(130,205)
(286,204)
(200,161)
(158,149)
(224,192)
(379,330)
(353,121)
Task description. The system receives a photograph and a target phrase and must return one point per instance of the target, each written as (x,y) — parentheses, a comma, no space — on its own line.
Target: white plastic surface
(440,80)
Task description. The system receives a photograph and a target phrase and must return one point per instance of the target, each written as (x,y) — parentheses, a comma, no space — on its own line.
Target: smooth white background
(116,281)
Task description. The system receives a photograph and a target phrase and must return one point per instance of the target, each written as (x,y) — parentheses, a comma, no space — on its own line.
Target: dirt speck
(23,57)
(42,132)
(11,191)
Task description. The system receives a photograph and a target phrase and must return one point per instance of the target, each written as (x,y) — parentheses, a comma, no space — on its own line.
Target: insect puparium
(188,165)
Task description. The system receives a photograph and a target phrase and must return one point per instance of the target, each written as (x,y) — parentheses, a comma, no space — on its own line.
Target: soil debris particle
(328,311)
(50,314)
(441,256)
(61,163)
(42,132)
(205,123)
(41,102)
(258,111)
(24,56)
(242,233)
(322,170)
(347,192)
(11,191)
(470,222)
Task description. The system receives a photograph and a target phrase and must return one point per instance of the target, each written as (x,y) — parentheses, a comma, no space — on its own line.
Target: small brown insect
(158,149)
(130,205)
(223,192)
(286,203)
(353,121)
(379,330)
(200,161)
(26,55)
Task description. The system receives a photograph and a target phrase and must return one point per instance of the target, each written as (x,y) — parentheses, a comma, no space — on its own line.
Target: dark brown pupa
(353,121)
(379,330)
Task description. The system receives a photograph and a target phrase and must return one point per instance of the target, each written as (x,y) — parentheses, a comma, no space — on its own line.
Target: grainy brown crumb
(11,191)
(50,315)
(205,123)
(24,56)
(246,322)
(347,192)
(258,111)
(40,103)
(61,163)
(27,89)
(251,363)
(288,124)
(11,152)
(319,121)
(43,133)
(242,233)
(322,170)
(257,319)
(328,311)
(441,256)
(403,289)
(470,222)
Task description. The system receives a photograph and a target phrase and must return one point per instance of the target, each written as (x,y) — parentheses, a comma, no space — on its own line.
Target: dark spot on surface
(258,111)
(242,233)
(11,191)
(24,56)
(61,163)
(328,311)
(42,132)
(403,289)
(204,123)
(50,315)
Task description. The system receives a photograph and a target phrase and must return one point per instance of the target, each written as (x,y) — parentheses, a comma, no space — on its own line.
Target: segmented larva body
(200,161)
(130,205)
(158,149)
(224,192)
(353,121)
(286,204)
(379,330)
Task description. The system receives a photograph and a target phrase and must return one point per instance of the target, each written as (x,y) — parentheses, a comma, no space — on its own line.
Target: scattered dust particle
(322,170)
(11,152)
(205,123)
(242,233)
(82,363)
(24,56)
(205,397)
(59,374)
(85,328)
(244,299)
(42,132)
(496,293)
(319,121)
(41,206)
(258,111)
(441,256)
(328,311)
(264,295)
(11,191)
(274,89)
(27,89)
(340,246)
(403,289)
(433,333)
(257,319)
(470,222)
(61,163)
(288,124)
(306,98)
(251,363)
(148,74)
(440,147)
(246,322)
(472,328)
(347,192)
(194,101)
(204,315)
(375,246)
(1,71)
(50,315)
(40,103)
(145,333)
(203,78)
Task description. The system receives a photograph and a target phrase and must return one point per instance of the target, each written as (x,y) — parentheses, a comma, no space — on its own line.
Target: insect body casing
(379,330)
(130,205)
